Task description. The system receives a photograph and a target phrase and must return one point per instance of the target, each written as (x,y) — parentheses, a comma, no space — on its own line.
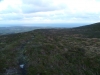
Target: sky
(49,11)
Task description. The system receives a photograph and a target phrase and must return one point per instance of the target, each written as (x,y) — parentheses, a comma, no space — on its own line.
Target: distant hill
(52,52)
(16,29)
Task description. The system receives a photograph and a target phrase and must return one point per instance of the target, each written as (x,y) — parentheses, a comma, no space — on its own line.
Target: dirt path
(21,69)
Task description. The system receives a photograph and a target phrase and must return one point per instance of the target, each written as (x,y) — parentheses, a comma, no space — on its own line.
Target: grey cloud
(41,3)
(33,9)
(8,10)
(31,6)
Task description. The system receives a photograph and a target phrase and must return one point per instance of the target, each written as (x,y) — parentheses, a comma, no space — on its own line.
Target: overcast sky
(49,11)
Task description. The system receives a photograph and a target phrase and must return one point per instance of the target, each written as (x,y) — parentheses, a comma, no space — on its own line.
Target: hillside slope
(90,31)
(50,52)
(91,26)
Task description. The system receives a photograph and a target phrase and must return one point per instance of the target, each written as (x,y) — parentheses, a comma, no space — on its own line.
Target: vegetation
(53,51)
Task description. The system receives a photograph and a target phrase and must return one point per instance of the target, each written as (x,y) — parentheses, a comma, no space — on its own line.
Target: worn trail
(21,60)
